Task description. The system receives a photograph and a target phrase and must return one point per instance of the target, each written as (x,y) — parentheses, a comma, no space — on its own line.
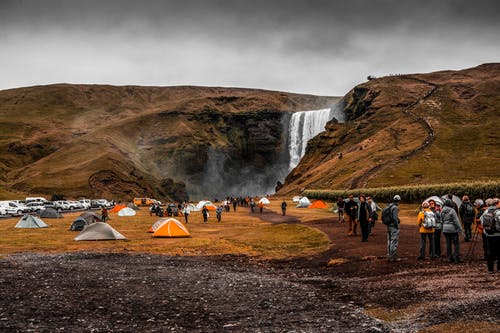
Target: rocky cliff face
(409,129)
(121,142)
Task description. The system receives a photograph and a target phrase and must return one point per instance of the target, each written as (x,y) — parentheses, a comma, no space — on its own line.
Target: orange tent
(117,208)
(318,204)
(211,207)
(169,228)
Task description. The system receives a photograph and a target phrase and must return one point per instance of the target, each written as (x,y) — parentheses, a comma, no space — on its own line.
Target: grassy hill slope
(410,129)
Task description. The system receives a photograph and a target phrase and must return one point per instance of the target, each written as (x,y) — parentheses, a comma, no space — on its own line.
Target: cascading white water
(305,125)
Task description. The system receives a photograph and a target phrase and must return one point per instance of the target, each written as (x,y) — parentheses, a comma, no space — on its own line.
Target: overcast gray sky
(319,47)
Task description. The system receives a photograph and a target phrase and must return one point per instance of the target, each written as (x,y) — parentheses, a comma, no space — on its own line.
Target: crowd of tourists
(436,220)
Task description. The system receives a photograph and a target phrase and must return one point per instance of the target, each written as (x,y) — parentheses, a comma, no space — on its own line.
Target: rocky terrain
(409,129)
(121,142)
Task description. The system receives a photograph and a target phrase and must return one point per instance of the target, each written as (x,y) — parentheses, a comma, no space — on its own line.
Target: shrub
(414,193)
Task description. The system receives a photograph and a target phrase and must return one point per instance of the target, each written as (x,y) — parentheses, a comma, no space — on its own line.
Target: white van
(35,199)
(86,203)
(14,208)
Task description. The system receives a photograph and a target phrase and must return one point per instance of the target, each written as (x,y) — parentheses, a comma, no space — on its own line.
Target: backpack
(429,220)
(469,210)
(489,222)
(387,215)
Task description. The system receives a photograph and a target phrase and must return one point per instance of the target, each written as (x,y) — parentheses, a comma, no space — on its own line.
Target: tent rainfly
(99,231)
(51,213)
(264,201)
(78,224)
(303,203)
(126,212)
(90,217)
(169,228)
(296,198)
(318,204)
(30,221)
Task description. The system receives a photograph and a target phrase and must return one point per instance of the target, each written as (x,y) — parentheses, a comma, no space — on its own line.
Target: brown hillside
(409,129)
(120,142)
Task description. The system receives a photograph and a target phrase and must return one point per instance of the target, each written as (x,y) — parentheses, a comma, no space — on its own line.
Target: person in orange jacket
(261,206)
(426,220)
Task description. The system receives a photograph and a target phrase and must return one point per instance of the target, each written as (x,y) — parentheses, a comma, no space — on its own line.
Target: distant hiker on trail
(340,209)
(481,207)
(261,206)
(186,211)
(438,228)
(390,217)
(218,213)
(426,220)
(104,214)
(204,212)
(451,230)
(235,203)
(374,216)
(490,221)
(283,207)
(351,208)
(467,214)
(363,215)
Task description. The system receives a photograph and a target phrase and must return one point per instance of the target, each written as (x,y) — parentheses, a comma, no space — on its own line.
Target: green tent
(30,221)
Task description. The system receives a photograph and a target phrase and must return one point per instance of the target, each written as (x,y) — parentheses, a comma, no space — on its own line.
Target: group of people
(435,219)
(364,213)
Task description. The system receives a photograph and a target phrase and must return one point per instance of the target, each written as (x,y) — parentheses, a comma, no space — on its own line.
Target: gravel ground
(111,292)
(85,292)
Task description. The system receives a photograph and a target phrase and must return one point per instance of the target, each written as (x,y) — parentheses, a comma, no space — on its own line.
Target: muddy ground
(85,292)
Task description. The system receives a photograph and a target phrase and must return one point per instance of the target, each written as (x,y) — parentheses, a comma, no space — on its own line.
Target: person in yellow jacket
(426,220)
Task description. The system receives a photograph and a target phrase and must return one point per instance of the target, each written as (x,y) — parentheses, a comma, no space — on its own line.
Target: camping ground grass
(239,234)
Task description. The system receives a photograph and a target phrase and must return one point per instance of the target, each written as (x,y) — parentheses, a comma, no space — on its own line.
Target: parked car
(14,208)
(86,203)
(63,204)
(53,204)
(3,211)
(74,205)
(35,199)
(99,203)
(36,206)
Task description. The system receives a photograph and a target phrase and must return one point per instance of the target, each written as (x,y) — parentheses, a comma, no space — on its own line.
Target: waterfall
(305,125)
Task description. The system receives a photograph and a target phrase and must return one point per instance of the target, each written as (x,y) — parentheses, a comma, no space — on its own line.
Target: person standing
(261,206)
(451,230)
(218,213)
(204,212)
(438,228)
(351,208)
(252,205)
(373,216)
(186,211)
(363,216)
(104,214)
(235,203)
(393,229)
(283,207)
(340,209)
(426,220)
(491,216)
(467,215)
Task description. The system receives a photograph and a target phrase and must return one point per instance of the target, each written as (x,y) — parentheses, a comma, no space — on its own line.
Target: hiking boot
(420,258)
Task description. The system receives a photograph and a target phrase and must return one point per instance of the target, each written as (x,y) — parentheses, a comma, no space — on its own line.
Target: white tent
(99,231)
(202,203)
(304,203)
(264,201)
(127,211)
(296,198)
(30,221)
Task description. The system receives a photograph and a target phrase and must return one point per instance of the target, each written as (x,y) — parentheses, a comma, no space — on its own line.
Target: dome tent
(30,221)
(51,213)
(99,231)
(303,203)
(127,212)
(169,228)
(264,201)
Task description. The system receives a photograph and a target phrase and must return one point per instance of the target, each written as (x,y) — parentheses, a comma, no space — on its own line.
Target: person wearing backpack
(390,217)
(490,221)
(351,209)
(283,207)
(436,209)
(426,220)
(467,215)
(451,230)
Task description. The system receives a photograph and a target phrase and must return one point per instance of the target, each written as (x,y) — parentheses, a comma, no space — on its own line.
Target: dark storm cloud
(310,46)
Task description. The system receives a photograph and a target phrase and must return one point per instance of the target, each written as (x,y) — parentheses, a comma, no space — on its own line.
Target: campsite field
(252,272)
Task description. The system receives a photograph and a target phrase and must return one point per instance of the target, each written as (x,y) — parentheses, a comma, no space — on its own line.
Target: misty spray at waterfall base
(225,176)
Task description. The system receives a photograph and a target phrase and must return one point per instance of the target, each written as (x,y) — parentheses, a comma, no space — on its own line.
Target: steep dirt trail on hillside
(362,180)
